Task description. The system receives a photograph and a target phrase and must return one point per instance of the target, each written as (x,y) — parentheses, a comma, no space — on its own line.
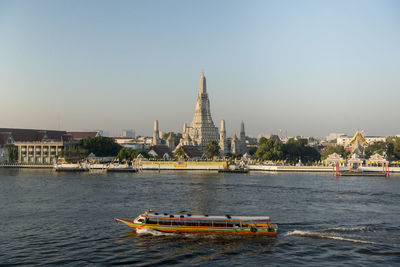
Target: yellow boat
(202,224)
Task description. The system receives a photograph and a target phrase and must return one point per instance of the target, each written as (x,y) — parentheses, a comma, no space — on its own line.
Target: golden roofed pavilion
(357,144)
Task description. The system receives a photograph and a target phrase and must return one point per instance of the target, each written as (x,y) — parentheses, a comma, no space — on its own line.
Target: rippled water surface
(68,218)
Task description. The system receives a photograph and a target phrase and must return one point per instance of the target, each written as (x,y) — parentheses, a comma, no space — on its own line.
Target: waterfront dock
(219,166)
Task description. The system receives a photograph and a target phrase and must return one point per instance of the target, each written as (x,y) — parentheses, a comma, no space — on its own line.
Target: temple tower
(202,129)
(235,145)
(242,141)
(242,133)
(222,138)
(156,134)
(171,142)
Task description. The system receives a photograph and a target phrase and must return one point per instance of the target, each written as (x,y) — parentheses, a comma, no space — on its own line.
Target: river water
(50,218)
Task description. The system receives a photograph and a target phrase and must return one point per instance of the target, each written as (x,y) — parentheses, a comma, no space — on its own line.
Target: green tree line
(293,151)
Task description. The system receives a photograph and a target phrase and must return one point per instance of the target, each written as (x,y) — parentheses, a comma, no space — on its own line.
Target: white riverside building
(38,146)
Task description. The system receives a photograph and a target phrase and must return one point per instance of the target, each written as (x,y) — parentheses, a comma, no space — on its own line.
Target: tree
(292,150)
(295,150)
(393,148)
(377,147)
(101,146)
(180,153)
(125,154)
(269,149)
(330,149)
(12,154)
(310,154)
(136,153)
(212,149)
(129,154)
(396,148)
(74,153)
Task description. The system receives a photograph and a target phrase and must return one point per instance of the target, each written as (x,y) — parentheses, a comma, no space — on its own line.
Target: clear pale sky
(308,67)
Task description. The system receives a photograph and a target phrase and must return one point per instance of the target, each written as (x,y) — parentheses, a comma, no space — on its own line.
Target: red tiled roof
(31,135)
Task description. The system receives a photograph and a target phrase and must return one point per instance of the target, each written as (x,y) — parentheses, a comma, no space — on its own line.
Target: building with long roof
(38,146)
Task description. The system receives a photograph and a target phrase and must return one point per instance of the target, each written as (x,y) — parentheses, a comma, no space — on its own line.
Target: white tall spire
(156,125)
(222,138)
(156,134)
(202,129)
(203,85)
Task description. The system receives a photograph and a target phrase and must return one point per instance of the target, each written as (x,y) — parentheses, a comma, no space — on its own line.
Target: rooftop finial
(203,87)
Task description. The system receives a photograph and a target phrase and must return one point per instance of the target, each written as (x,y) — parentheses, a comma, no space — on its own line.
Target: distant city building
(343,140)
(128,133)
(374,139)
(139,143)
(334,136)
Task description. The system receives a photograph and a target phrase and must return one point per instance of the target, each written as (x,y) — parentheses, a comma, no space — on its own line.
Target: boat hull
(202,230)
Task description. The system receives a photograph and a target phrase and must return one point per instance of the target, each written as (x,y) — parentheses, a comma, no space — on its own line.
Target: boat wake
(319,235)
(148,231)
(351,229)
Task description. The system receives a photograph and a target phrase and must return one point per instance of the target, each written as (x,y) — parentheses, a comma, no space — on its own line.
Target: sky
(301,67)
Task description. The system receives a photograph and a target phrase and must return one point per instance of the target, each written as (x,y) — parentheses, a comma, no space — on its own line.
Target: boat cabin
(226,221)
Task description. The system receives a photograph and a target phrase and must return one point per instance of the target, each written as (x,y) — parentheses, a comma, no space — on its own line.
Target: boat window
(205,223)
(220,223)
(191,223)
(164,222)
(141,220)
(177,222)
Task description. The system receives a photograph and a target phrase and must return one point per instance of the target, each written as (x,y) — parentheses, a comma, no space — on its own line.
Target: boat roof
(205,217)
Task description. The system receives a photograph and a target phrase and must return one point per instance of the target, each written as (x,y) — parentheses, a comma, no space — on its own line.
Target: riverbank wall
(186,165)
(210,166)
(314,168)
(28,166)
